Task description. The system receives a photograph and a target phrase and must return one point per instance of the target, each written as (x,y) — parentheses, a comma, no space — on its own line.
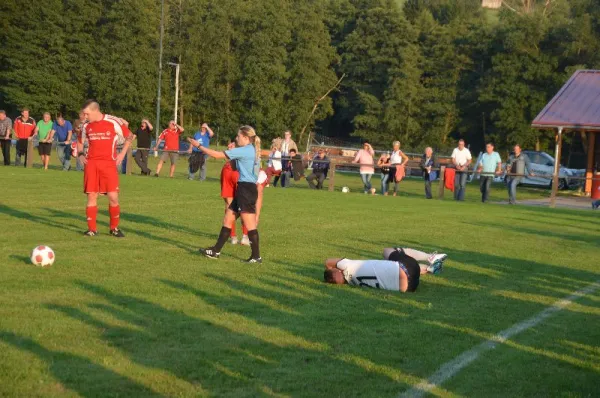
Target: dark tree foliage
(426,72)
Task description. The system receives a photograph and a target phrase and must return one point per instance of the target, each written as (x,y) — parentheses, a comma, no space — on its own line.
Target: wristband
(81,154)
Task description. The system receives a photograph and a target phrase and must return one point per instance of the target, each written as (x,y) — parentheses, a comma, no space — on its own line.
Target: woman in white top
(274,165)
(397,159)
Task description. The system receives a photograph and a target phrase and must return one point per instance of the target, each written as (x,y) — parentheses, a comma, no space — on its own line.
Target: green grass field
(147,316)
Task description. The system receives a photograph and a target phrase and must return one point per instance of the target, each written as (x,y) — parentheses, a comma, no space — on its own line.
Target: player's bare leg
(114,212)
(259,200)
(91,213)
(172,170)
(234,239)
(429,262)
(160,165)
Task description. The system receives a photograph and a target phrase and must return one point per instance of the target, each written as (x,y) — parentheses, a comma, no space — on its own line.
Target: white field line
(451,368)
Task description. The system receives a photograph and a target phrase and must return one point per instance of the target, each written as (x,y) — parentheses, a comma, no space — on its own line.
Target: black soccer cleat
(253,260)
(90,233)
(117,233)
(210,253)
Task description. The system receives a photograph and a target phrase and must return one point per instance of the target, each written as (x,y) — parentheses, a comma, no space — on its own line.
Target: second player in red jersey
(103,133)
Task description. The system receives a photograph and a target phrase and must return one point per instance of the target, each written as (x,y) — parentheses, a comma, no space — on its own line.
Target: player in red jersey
(100,175)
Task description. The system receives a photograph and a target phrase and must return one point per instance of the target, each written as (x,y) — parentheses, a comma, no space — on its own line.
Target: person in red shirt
(23,127)
(103,133)
(229,180)
(171,138)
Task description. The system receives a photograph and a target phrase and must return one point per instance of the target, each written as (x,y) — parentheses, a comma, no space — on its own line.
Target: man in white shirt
(400,271)
(461,158)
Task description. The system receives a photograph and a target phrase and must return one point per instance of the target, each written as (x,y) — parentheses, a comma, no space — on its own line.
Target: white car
(542,166)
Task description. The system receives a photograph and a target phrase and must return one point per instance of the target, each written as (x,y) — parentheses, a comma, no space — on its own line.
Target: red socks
(91,213)
(244,229)
(233,230)
(114,213)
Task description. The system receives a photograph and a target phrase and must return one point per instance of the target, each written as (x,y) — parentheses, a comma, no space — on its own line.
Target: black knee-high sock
(223,236)
(253,236)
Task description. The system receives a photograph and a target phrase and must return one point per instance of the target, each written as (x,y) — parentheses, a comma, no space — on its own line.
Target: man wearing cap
(399,271)
(5,129)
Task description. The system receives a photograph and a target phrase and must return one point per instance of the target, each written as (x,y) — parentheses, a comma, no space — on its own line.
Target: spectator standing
(461,158)
(428,163)
(63,131)
(5,129)
(286,147)
(171,151)
(364,158)
(518,165)
(320,167)
(384,165)
(203,136)
(44,133)
(488,166)
(144,141)
(398,161)
(274,165)
(23,127)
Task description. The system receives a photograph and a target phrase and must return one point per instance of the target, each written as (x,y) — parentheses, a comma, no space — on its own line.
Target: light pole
(160,56)
(176,87)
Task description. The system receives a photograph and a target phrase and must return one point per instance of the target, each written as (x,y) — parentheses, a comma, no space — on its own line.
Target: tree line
(426,72)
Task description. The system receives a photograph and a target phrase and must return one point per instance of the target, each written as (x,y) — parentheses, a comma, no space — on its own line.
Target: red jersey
(103,137)
(171,139)
(24,128)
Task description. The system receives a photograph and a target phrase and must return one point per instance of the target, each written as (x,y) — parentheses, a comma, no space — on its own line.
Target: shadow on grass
(21,259)
(229,350)
(77,373)
(142,233)
(50,222)
(590,239)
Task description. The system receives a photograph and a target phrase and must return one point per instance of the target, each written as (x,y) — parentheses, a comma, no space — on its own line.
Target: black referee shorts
(412,266)
(245,197)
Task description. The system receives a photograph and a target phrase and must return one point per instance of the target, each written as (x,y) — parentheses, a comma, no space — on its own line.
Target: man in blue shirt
(488,166)
(63,130)
(203,137)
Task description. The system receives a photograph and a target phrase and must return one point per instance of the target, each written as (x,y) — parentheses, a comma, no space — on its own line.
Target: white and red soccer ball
(42,256)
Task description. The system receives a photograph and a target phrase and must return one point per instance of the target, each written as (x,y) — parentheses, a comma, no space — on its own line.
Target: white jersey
(379,274)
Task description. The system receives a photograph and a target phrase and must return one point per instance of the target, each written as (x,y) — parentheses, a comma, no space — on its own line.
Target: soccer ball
(345,190)
(42,256)
(373,191)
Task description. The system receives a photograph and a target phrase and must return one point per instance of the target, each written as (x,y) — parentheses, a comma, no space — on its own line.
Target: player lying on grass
(400,271)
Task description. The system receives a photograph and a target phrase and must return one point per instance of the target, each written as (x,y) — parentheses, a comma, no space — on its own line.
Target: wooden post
(557,151)
(129,165)
(589,173)
(332,167)
(29,162)
(441,188)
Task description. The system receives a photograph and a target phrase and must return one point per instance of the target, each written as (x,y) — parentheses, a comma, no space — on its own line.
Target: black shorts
(245,197)
(412,265)
(45,148)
